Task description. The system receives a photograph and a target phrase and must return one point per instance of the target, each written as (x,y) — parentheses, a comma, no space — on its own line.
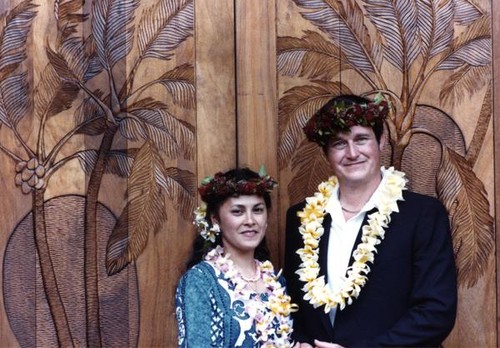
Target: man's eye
(339,144)
(361,140)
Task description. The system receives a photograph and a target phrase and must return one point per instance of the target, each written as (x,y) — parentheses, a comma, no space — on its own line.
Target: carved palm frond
(395,20)
(170,134)
(466,12)
(119,162)
(147,103)
(435,26)
(14,29)
(179,186)
(473,47)
(311,167)
(89,109)
(311,56)
(163,27)
(87,159)
(53,95)
(13,102)
(112,29)
(62,66)
(465,198)
(482,125)
(144,212)
(69,16)
(179,82)
(464,82)
(295,108)
(343,22)
(182,134)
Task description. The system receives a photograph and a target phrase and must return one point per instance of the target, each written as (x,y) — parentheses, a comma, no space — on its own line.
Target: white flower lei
(316,290)
(273,327)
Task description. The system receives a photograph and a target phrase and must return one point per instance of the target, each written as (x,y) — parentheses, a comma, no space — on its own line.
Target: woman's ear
(213,220)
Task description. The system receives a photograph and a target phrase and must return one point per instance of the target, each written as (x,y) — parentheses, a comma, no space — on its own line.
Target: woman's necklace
(256,277)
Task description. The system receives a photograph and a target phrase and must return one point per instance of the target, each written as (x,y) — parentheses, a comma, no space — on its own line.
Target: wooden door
(112,111)
(433,61)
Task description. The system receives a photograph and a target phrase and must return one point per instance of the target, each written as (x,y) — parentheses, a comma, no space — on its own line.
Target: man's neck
(357,194)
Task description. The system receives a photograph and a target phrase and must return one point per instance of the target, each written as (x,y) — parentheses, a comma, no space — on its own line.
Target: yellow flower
(313,210)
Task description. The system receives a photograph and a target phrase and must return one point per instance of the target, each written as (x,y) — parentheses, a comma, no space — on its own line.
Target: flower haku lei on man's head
(339,116)
(316,290)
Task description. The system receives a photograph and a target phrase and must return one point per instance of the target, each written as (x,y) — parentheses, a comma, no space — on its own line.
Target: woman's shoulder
(200,273)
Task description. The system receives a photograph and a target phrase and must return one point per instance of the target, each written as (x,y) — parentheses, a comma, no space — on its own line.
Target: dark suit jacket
(410,298)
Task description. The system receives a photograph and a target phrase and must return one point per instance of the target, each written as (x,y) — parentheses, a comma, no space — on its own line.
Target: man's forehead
(354,131)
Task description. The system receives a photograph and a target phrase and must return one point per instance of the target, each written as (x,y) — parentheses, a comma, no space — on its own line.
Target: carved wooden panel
(101,150)
(111,111)
(432,61)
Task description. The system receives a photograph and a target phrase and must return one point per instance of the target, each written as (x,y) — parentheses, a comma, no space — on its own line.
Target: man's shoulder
(409,195)
(297,206)
(421,201)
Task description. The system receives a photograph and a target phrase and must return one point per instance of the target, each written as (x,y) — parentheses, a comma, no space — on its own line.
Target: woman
(231,296)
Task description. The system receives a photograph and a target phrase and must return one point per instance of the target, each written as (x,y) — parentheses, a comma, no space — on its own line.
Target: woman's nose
(249,218)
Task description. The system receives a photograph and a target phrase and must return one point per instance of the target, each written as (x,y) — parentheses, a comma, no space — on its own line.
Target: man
(369,262)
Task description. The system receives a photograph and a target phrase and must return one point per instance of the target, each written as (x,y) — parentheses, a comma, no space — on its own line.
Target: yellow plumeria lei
(273,327)
(316,290)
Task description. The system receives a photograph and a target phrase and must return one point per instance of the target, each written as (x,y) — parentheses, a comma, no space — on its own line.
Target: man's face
(355,157)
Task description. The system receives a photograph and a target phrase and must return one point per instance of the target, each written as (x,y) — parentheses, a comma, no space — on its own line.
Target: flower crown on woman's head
(221,186)
(339,116)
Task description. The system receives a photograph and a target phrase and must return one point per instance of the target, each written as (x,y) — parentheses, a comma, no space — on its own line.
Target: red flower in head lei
(340,115)
(221,186)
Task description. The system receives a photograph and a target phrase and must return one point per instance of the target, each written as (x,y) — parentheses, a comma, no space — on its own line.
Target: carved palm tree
(375,40)
(117,109)
(14,107)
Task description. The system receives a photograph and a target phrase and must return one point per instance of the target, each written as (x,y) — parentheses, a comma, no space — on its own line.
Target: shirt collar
(334,202)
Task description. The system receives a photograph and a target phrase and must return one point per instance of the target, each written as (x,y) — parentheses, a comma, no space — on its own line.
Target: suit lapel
(323,269)
(358,238)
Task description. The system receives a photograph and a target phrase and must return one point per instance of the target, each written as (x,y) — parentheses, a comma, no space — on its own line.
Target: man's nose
(352,150)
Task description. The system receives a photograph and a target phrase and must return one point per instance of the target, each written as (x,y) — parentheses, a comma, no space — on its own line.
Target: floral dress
(216,308)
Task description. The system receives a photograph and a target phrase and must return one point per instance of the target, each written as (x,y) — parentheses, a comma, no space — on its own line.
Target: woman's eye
(236,212)
(259,210)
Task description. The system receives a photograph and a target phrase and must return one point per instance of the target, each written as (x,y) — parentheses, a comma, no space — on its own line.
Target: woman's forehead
(244,200)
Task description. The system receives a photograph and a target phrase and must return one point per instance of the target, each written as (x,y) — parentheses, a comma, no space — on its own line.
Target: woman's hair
(233,183)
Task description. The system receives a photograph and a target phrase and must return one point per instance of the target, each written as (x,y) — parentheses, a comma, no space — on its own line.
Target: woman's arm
(195,303)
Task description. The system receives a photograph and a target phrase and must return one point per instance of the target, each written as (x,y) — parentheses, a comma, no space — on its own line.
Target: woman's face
(243,222)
